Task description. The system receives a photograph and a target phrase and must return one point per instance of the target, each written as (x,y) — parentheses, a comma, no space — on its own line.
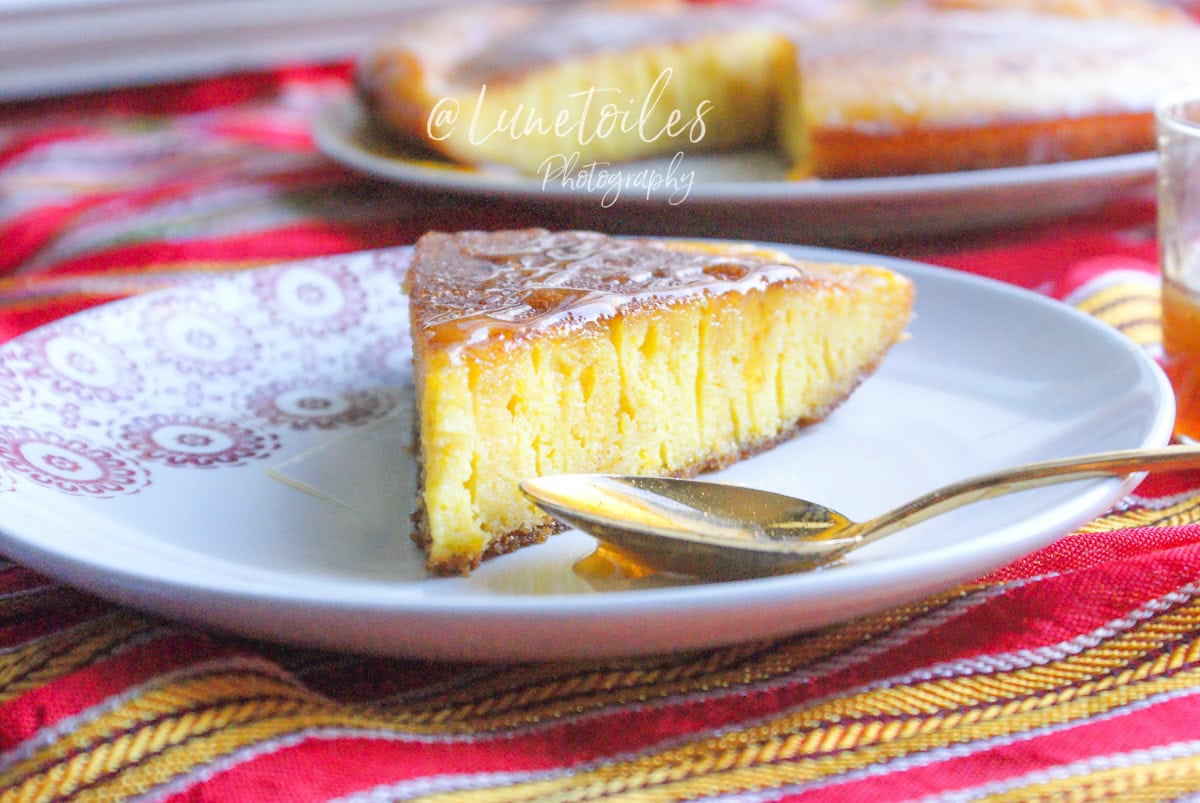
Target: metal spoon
(717,531)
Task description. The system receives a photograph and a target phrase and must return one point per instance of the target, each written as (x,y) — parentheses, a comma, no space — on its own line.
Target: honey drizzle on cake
(532,281)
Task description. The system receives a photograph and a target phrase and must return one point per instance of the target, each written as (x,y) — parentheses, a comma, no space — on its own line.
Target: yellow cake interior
(704,95)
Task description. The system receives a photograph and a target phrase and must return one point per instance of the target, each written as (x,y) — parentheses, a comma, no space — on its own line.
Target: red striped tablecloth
(1073,673)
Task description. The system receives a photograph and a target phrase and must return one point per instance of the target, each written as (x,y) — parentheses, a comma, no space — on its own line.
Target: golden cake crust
(945,89)
(481,288)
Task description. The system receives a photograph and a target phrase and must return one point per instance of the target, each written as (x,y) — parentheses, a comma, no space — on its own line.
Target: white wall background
(58,46)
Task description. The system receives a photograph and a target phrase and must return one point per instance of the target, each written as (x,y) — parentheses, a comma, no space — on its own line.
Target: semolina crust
(463,564)
(905,151)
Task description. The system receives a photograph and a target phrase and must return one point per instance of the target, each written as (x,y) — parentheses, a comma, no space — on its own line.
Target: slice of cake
(537,352)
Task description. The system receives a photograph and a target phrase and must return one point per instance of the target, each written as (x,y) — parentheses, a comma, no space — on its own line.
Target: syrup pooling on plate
(528,281)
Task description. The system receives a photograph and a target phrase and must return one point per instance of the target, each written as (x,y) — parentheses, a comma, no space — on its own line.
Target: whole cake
(856,88)
(538,352)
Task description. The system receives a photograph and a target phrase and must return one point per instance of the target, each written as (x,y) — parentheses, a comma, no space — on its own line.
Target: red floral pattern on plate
(311,301)
(388,359)
(199,340)
(217,373)
(313,403)
(78,363)
(11,390)
(200,441)
(69,464)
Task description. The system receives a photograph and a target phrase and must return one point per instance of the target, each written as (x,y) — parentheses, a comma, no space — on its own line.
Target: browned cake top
(472,287)
(917,66)
(580,32)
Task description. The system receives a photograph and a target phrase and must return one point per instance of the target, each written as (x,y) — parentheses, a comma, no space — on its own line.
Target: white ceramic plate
(745,194)
(235,452)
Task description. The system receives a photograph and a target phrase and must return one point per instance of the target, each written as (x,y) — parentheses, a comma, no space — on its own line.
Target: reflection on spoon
(713,531)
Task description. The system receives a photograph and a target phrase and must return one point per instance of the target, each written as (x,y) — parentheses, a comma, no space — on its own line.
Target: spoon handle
(1031,475)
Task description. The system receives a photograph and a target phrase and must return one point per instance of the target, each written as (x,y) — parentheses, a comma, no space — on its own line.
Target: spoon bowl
(727,532)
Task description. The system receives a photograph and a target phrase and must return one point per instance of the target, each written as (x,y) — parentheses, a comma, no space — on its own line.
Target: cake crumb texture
(685,376)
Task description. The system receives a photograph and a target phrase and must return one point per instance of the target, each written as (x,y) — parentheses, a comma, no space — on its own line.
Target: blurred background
(50,47)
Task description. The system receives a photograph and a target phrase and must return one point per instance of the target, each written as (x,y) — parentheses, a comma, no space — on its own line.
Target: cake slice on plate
(538,352)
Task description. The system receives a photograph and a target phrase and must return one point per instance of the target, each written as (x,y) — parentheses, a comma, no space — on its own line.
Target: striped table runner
(1072,674)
